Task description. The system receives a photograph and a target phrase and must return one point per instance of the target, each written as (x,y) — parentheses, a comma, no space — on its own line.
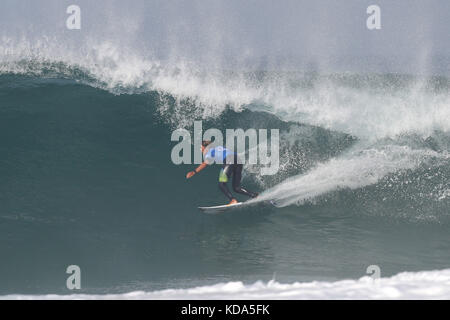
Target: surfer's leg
(237,176)
(223,179)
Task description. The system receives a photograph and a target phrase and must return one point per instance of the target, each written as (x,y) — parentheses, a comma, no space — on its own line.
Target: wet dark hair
(206,143)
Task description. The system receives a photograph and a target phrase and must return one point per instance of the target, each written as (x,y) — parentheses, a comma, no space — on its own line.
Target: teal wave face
(86,178)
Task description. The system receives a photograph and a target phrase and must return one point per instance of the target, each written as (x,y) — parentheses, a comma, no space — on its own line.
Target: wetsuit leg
(224,176)
(237,176)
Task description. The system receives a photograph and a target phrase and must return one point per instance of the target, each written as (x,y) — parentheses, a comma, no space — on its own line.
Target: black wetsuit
(234,171)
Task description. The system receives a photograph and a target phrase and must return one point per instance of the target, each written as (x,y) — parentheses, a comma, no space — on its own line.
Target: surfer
(230,169)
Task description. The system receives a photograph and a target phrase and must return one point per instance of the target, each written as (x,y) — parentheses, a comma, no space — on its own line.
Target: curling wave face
(81,161)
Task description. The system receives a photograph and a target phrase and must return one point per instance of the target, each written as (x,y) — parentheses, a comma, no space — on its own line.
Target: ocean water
(87,178)
(406,285)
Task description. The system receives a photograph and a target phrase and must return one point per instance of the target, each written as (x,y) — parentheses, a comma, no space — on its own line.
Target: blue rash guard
(219,155)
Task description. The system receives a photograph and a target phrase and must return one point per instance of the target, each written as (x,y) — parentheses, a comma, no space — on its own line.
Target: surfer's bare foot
(233,201)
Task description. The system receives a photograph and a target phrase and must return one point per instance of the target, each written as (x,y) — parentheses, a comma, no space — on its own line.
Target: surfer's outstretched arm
(197,170)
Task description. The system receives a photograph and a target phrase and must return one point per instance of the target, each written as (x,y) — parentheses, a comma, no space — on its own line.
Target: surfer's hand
(190,174)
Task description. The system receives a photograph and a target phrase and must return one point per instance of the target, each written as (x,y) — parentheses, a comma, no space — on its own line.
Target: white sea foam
(371,111)
(353,170)
(405,285)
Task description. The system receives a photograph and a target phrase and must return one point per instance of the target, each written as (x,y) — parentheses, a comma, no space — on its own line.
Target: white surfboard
(225,207)
(222,208)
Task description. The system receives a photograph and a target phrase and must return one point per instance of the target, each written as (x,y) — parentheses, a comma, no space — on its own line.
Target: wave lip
(405,285)
(369,106)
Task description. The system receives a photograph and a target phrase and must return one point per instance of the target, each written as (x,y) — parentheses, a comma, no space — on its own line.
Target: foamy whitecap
(405,285)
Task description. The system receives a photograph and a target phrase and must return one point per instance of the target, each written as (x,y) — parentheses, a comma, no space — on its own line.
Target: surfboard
(222,208)
(226,207)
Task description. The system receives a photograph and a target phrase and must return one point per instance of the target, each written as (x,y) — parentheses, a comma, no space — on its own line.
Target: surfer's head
(205,143)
